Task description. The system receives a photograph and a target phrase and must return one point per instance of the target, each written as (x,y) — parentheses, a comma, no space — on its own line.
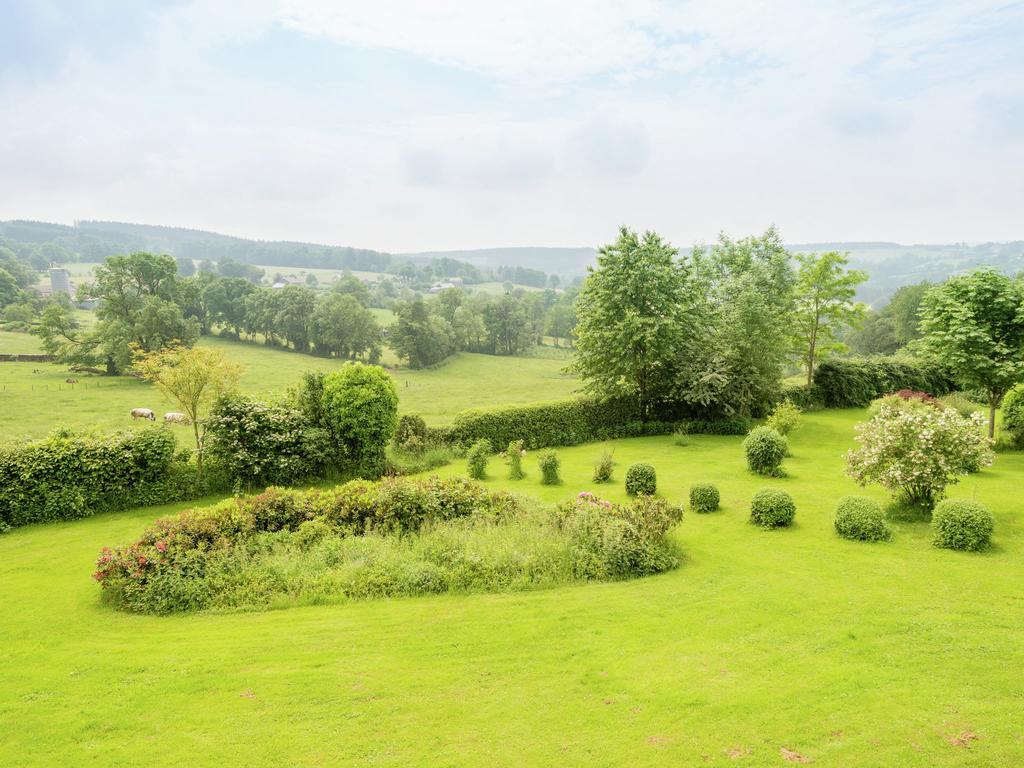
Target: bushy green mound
(476,459)
(549,467)
(765,449)
(861,519)
(703,497)
(772,508)
(962,524)
(641,479)
(399,536)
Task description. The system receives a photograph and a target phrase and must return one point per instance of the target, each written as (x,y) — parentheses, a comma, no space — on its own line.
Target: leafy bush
(962,524)
(69,474)
(476,459)
(784,418)
(641,479)
(605,467)
(1013,415)
(916,450)
(514,458)
(803,397)
(261,444)
(855,382)
(321,546)
(411,432)
(765,449)
(704,497)
(772,508)
(861,519)
(361,407)
(549,466)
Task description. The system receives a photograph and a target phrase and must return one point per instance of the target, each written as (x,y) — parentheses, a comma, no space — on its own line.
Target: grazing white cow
(143,413)
(175,418)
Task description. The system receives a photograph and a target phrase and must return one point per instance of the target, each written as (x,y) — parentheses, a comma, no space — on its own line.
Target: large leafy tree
(419,336)
(825,291)
(975,324)
(344,327)
(631,320)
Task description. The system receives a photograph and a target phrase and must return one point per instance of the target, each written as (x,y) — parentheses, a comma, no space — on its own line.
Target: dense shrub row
(855,382)
(69,475)
(364,539)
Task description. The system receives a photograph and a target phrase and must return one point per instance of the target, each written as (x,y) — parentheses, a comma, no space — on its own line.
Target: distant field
(497,288)
(19,344)
(35,403)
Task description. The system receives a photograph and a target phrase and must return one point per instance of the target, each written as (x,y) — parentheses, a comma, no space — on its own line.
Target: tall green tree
(420,337)
(825,291)
(975,324)
(632,320)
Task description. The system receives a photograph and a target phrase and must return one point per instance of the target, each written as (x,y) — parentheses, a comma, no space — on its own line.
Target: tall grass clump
(604,468)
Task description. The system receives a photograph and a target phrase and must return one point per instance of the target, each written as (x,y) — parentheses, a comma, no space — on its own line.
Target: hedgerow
(855,382)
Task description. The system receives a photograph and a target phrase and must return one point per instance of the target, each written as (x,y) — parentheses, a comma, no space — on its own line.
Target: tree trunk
(991,418)
(199,446)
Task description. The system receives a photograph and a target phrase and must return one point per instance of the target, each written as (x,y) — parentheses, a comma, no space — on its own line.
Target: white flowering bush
(917,450)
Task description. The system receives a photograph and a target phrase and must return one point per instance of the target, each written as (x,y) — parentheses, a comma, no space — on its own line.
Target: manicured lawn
(41,401)
(850,654)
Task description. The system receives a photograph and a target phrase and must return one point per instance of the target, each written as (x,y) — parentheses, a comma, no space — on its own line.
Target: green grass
(12,343)
(851,654)
(44,400)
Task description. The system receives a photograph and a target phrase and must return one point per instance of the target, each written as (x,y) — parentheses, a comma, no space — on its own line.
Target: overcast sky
(468,123)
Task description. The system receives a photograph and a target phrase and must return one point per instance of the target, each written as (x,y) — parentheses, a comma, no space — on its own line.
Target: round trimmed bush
(861,519)
(765,449)
(703,497)
(772,508)
(641,478)
(962,524)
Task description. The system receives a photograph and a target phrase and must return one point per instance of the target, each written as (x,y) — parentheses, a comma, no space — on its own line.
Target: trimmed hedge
(855,382)
(772,508)
(861,519)
(765,449)
(70,475)
(641,479)
(704,497)
(962,524)
(803,397)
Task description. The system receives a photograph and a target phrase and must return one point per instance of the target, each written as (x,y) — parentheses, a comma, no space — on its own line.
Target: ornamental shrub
(916,450)
(1013,415)
(765,449)
(784,418)
(549,466)
(861,519)
(962,524)
(361,408)
(411,433)
(514,458)
(604,468)
(641,479)
(476,459)
(772,508)
(703,497)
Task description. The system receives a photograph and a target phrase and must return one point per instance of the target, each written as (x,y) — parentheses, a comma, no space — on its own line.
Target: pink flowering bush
(916,450)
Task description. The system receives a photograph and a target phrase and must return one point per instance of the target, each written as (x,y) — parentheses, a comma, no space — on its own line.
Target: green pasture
(35,403)
(764,648)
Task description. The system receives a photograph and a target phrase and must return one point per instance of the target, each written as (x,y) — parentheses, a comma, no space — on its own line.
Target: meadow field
(45,400)
(763,648)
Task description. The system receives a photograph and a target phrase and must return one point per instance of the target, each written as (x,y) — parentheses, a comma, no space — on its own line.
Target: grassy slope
(44,400)
(851,654)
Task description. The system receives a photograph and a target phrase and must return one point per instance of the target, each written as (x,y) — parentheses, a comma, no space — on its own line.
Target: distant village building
(60,281)
(286,280)
(438,287)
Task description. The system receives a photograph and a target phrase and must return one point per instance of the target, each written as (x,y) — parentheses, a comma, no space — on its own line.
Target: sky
(444,124)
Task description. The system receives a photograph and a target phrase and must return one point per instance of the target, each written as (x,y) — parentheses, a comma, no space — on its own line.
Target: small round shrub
(785,418)
(549,465)
(703,497)
(861,519)
(765,449)
(641,478)
(604,468)
(961,524)
(476,459)
(772,508)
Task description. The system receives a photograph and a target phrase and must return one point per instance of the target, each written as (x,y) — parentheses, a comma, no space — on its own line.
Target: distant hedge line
(569,422)
(855,382)
(69,475)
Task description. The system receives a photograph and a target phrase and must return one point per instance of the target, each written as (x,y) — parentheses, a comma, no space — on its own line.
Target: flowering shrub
(549,466)
(861,519)
(765,449)
(514,458)
(476,459)
(785,418)
(961,524)
(917,451)
(772,508)
(641,479)
(604,468)
(703,497)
